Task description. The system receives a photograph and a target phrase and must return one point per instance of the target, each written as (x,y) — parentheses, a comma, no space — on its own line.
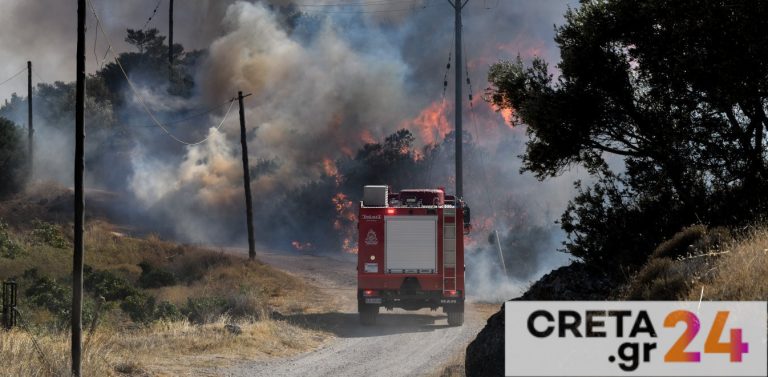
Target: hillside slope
(696,264)
(151,306)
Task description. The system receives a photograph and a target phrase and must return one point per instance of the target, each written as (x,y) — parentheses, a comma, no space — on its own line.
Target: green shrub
(46,233)
(613,228)
(155,277)
(193,266)
(659,279)
(140,307)
(47,293)
(144,309)
(8,247)
(107,285)
(205,309)
(246,303)
(167,311)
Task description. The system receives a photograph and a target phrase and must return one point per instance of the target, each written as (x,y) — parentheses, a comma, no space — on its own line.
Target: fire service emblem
(371,239)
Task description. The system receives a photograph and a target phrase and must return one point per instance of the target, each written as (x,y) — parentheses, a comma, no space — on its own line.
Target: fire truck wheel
(455,318)
(368,316)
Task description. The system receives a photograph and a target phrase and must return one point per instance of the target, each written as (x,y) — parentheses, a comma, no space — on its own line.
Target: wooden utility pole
(457,6)
(246,180)
(170,35)
(30,152)
(77,259)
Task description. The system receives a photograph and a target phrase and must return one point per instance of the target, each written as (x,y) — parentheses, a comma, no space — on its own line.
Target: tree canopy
(12,158)
(676,90)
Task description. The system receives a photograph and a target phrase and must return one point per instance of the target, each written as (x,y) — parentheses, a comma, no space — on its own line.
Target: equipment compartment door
(411,244)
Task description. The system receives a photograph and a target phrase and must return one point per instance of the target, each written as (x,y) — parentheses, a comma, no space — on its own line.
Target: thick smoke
(324,84)
(312,99)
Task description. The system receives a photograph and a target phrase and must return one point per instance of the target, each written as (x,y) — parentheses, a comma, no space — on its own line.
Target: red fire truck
(411,252)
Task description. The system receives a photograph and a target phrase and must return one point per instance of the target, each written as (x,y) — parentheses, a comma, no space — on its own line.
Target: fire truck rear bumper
(410,300)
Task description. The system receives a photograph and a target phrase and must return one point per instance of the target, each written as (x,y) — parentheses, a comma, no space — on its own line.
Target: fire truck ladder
(449,249)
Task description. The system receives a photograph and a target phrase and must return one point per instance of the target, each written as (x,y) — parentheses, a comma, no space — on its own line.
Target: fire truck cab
(411,252)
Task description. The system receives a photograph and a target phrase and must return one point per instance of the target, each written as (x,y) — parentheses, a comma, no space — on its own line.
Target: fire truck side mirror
(467,215)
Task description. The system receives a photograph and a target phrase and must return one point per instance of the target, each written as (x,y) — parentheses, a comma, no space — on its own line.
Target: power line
(139,96)
(351,4)
(33,337)
(437,150)
(34,72)
(223,119)
(477,133)
(369,11)
(197,115)
(14,75)
(154,12)
(447,69)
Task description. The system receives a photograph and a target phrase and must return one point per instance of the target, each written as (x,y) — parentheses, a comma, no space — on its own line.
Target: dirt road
(402,343)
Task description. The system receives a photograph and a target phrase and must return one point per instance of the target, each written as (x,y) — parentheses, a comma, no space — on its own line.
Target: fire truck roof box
(375,196)
(427,197)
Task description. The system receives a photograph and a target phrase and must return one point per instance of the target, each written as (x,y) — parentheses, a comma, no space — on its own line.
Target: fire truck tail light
(452,293)
(390,211)
(369,293)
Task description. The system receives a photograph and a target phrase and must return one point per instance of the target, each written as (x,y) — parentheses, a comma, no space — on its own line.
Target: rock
(576,281)
(233,328)
(485,355)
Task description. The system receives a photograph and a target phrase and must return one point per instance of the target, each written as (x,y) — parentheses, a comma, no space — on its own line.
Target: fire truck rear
(411,252)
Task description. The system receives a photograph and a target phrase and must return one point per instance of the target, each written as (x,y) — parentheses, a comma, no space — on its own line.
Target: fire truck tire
(455,318)
(369,315)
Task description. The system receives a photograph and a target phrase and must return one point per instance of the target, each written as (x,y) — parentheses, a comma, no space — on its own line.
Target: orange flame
(523,46)
(302,246)
(367,137)
(481,227)
(345,221)
(344,207)
(507,115)
(349,246)
(431,123)
(330,169)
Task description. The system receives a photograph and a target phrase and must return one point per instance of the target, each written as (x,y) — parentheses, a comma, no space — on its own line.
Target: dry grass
(253,292)
(172,348)
(22,357)
(659,279)
(162,349)
(724,266)
(454,367)
(739,273)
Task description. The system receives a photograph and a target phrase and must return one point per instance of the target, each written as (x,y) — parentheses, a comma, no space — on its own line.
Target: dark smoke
(324,85)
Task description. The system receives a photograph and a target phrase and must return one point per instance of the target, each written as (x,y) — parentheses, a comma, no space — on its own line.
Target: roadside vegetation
(454,367)
(705,264)
(151,307)
(664,112)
